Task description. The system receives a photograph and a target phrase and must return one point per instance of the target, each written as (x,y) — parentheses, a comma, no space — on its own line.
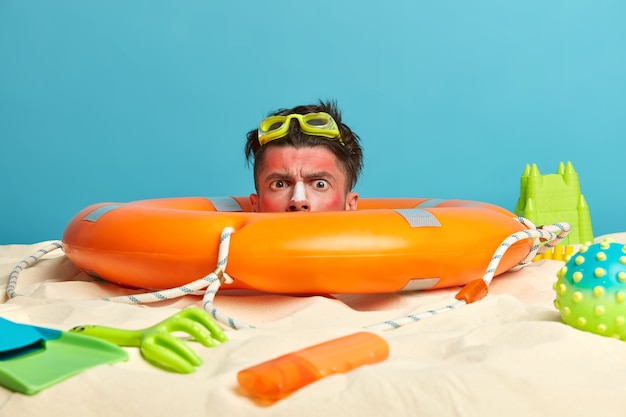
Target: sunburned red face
(302,179)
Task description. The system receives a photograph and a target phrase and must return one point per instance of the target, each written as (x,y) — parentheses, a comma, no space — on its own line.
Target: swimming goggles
(317,124)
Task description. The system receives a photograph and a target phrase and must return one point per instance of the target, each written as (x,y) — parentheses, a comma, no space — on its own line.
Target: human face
(301,179)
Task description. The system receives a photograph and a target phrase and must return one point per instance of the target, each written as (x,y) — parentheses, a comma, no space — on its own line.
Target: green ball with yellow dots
(591,289)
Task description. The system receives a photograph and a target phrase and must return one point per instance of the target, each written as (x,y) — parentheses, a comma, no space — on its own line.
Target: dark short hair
(349,155)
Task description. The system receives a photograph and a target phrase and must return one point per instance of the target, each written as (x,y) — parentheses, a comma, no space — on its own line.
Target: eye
(278,184)
(321,184)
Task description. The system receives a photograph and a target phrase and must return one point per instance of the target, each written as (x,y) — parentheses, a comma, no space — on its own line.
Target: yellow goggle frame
(317,124)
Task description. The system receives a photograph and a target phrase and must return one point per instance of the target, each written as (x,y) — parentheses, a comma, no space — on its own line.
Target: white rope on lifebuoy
(25,263)
(211,283)
(192,288)
(551,235)
(545,238)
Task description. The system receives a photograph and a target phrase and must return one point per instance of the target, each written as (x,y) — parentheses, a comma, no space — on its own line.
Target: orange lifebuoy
(388,245)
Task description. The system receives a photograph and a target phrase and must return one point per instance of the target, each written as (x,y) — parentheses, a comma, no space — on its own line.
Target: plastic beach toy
(282,376)
(550,198)
(158,346)
(591,289)
(33,358)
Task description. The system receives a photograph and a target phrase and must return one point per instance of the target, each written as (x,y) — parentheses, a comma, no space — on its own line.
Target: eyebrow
(319,174)
(309,176)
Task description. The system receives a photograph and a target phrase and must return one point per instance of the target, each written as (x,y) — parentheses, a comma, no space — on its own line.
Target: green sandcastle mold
(554,198)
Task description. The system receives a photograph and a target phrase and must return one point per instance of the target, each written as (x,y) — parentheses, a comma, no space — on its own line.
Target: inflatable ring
(387,245)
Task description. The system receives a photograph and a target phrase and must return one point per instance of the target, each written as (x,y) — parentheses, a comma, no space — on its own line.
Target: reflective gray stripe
(99,212)
(430,203)
(418,217)
(225,203)
(420,284)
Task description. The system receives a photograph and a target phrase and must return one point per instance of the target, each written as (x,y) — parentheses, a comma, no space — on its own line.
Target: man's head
(307,161)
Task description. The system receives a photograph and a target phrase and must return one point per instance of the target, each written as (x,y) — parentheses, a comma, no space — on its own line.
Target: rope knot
(222,276)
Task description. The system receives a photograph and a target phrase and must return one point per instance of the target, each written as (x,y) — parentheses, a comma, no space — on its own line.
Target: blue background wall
(126,100)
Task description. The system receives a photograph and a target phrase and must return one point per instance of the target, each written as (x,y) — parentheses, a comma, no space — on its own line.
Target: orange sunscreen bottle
(280,377)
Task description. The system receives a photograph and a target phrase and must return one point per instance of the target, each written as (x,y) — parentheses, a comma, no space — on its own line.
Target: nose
(298,200)
(301,205)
